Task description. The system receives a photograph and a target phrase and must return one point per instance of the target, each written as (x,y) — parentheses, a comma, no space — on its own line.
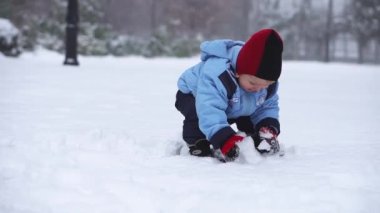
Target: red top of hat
(261,55)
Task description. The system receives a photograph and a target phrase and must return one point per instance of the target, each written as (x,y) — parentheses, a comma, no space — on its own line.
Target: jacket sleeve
(211,104)
(268,113)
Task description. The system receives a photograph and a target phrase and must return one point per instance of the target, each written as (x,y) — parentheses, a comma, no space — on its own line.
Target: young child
(235,82)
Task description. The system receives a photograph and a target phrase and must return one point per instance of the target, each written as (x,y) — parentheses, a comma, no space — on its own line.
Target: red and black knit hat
(261,55)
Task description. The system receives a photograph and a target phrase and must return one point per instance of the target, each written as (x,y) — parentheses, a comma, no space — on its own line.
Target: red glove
(229,151)
(230,143)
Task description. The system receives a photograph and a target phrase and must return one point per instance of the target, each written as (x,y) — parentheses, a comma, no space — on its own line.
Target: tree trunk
(153,16)
(328,32)
(345,46)
(245,20)
(377,51)
(361,47)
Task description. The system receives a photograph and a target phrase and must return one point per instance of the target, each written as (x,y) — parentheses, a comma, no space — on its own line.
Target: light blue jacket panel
(225,51)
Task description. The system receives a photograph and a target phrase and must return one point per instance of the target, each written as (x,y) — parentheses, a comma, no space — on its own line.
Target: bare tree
(328,30)
(363,21)
(246,10)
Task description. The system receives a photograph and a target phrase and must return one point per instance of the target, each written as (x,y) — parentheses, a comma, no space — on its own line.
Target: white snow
(264,146)
(102,137)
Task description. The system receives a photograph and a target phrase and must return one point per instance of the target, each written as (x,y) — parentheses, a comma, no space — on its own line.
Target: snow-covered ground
(101,138)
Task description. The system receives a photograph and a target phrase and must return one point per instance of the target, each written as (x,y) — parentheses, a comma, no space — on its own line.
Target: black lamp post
(72,19)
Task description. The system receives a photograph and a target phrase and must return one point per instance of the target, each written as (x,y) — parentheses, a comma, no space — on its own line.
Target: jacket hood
(227,49)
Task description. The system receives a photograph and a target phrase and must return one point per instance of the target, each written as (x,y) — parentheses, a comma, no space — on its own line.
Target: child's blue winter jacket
(218,95)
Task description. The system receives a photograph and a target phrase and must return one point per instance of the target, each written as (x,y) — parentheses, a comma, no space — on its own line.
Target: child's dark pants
(191,133)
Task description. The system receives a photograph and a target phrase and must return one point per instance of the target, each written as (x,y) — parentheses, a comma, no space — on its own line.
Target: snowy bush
(92,39)
(120,45)
(184,47)
(161,43)
(9,38)
(165,43)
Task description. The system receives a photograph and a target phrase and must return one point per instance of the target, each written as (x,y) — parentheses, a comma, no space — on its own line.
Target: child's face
(252,83)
